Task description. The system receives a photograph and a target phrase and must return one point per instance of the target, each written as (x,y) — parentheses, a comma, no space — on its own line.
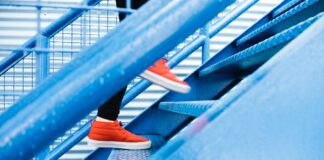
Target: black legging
(110,109)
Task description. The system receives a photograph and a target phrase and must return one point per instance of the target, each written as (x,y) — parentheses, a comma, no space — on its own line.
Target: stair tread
(192,108)
(285,7)
(259,52)
(276,20)
(157,142)
(130,154)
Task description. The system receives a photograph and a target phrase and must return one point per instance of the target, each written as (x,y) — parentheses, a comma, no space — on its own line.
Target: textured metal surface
(277,20)
(121,154)
(278,116)
(241,59)
(69,142)
(285,7)
(191,108)
(105,63)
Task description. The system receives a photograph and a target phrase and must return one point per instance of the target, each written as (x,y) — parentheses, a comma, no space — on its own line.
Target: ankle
(103,120)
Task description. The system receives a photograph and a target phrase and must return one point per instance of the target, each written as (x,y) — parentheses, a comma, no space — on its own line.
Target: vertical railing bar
(89,40)
(206,46)
(41,62)
(71,38)
(128,5)
(63,47)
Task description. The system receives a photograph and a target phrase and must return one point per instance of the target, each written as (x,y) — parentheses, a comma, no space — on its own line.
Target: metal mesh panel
(79,35)
(17,81)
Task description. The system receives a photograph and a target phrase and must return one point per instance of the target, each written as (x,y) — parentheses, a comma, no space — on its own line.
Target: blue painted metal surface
(172,62)
(55,27)
(143,84)
(202,88)
(191,108)
(276,113)
(129,96)
(157,142)
(42,60)
(105,63)
(206,46)
(83,6)
(258,53)
(232,48)
(283,17)
(68,143)
(285,7)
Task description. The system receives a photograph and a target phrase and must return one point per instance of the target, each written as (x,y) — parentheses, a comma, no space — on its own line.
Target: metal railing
(60,49)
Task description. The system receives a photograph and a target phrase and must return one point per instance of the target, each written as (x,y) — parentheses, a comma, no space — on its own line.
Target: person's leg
(105,130)
(159,73)
(110,109)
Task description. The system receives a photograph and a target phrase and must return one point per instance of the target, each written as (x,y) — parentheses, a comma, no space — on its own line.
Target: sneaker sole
(120,145)
(164,82)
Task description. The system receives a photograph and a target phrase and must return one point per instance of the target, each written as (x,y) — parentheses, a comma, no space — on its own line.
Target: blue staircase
(258,98)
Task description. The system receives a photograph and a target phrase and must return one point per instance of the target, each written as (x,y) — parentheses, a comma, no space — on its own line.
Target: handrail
(138,88)
(147,35)
(233,95)
(51,30)
(144,84)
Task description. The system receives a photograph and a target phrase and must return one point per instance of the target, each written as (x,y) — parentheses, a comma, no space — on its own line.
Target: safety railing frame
(190,16)
(48,32)
(201,41)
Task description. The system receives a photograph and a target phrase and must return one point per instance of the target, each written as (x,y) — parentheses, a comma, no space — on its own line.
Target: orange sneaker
(161,75)
(112,135)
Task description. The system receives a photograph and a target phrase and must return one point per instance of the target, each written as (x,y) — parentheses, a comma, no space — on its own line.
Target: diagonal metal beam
(99,72)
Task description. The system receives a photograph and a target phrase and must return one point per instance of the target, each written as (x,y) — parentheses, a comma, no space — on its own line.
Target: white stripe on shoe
(120,145)
(164,82)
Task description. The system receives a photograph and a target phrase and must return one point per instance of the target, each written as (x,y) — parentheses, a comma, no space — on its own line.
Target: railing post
(206,46)
(128,6)
(42,70)
(42,62)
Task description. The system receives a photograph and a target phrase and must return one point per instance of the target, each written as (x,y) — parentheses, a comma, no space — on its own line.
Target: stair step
(273,23)
(259,53)
(286,7)
(191,108)
(118,154)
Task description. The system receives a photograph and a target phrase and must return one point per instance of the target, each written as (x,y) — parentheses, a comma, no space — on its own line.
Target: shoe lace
(161,64)
(123,130)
